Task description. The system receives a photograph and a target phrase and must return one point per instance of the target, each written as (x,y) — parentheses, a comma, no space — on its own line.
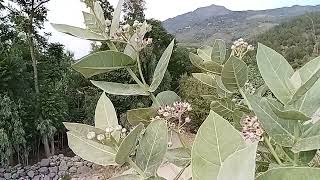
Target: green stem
(272,151)
(135,167)
(154,99)
(112,46)
(181,171)
(290,159)
(245,98)
(140,70)
(134,76)
(296,136)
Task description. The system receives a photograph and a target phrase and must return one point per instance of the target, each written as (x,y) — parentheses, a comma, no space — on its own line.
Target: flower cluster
(240,48)
(252,129)
(107,135)
(125,32)
(249,88)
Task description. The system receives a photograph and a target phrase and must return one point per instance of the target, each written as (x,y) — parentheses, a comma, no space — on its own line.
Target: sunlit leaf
(179,156)
(166,98)
(116,18)
(207,79)
(219,51)
(143,115)
(288,114)
(120,89)
(208,66)
(291,173)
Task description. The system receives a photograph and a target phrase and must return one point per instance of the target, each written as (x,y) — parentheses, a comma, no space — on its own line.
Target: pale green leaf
(240,165)
(288,114)
(101,62)
(234,74)
(307,144)
(143,115)
(291,173)
(128,177)
(161,68)
(205,53)
(129,50)
(219,51)
(224,107)
(105,115)
(152,148)
(207,79)
(296,80)
(82,128)
(98,11)
(120,89)
(208,66)
(166,98)
(262,90)
(221,89)
(306,87)
(90,150)
(281,131)
(91,22)
(79,32)
(178,156)
(276,72)
(216,140)
(116,18)
(128,145)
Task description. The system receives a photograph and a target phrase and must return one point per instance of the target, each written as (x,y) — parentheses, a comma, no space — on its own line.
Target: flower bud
(187,120)
(101,137)
(170,144)
(126,27)
(91,135)
(118,128)
(109,130)
(108,22)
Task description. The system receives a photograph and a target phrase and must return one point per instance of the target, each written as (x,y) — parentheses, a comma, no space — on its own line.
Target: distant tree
(30,17)
(134,10)
(107,8)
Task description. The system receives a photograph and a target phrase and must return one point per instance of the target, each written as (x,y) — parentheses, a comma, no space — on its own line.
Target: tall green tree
(30,17)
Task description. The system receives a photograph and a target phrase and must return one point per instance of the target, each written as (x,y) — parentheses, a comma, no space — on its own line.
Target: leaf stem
(181,171)
(154,99)
(272,151)
(140,70)
(296,136)
(245,98)
(135,167)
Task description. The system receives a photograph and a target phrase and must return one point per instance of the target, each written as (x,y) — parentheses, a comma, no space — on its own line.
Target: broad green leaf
(276,72)
(101,62)
(82,128)
(208,66)
(304,157)
(91,22)
(106,116)
(98,11)
(307,144)
(166,98)
(288,114)
(205,53)
(306,87)
(262,90)
(129,50)
(310,102)
(90,150)
(120,89)
(221,89)
(179,156)
(143,115)
(241,165)
(219,51)
(79,32)
(281,131)
(224,107)
(207,79)
(128,144)
(156,178)
(116,18)
(234,74)
(291,173)
(296,80)
(128,177)
(161,68)
(237,116)
(216,140)
(152,148)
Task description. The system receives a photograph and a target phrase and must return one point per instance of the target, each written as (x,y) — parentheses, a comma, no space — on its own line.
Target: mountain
(205,24)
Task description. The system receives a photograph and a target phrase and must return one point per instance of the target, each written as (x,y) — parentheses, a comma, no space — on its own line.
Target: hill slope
(208,23)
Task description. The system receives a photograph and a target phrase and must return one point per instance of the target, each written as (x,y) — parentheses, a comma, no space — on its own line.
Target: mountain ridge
(204,24)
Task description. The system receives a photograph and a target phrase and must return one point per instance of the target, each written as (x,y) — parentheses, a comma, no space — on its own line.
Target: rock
(2,178)
(7,175)
(44,163)
(96,167)
(34,168)
(60,155)
(78,164)
(37,177)
(30,174)
(55,178)
(2,170)
(62,173)
(77,158)
(53,169)
(83,170)
(1,175)
(52,164)
(46,177)
(63,166)
(27,167)
(69,164)
(73,170)
(52,175)
(89,164)
(14,176)
(44,170)
(21,172)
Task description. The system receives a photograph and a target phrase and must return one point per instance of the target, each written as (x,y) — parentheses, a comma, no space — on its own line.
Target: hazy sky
(69,12)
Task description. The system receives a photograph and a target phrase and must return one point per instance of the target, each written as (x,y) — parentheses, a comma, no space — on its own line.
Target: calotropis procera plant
(285,123)
(148,144)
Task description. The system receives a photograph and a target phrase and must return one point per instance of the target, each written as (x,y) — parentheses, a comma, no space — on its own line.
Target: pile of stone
(53,168)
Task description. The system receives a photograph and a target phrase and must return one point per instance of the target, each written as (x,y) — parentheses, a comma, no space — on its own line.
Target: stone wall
(53,168)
